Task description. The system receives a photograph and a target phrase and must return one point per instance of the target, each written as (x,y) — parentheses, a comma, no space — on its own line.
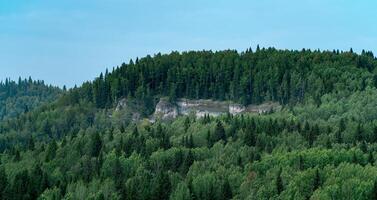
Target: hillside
(25,95)
(249,77)
(322,144)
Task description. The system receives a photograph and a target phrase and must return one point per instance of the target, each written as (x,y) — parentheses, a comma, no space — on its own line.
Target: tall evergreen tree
(51,151)
(219,132)
(317,180)
(3,182)
(279,182)
(95,145)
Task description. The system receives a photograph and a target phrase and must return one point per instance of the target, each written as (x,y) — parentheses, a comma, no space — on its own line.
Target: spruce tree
(95,145)
(317,180)
(226,191)
(371,158)
(51,151)
(3,181)
(359,133)
(220,132)
(279,182)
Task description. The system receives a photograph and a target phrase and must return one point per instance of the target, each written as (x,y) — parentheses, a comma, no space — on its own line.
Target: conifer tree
(95,145)
(279,182)
(317,180)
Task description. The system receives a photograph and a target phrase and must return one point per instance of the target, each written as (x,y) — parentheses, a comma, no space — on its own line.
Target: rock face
(121,104)
(235,109)
(264,108)
(165,110)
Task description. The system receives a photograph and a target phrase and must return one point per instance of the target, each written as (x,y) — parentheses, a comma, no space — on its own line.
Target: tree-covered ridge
(24,95)
(249,77)
(291,77)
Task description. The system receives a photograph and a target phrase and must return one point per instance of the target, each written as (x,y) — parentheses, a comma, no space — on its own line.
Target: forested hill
(248,77)
(321,145)
(24,95)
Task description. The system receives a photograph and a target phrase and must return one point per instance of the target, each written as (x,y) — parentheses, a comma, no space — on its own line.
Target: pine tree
(359,133)
(178,159)
(187,123)
(220,132)
(227,191)
(51,151)
(95,145)
(279,182)
(189,160)
(20,188)
(374,137)
(162,186)
(37,185)
(118,174)
(301,163)
(135,132)
(342,125)
(370,158)
(122,129)
(374,191)
(165,141)
(17,156)
(311,138)
(317,180)
(209,139)
(191,142)
(3,181)
(363,146)
(250,138)
(338,136)
(355,160)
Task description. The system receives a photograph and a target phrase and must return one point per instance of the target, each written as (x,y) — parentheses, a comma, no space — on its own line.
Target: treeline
(249,77)
(24,95)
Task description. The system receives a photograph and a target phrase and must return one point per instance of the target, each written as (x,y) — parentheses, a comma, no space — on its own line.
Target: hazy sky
(66,42)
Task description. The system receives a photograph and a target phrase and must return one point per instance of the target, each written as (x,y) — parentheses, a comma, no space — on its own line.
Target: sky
(68,42)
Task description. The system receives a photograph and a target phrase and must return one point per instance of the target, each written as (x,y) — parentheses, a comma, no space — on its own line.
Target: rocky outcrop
(235,109)
(122,104)
(165,110)
(264,108)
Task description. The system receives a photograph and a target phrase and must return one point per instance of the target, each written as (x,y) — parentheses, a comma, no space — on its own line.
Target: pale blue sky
(66,42)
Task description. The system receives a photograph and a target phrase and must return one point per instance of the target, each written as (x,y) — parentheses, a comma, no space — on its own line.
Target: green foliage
(246,77)
(321,145)
(23,96)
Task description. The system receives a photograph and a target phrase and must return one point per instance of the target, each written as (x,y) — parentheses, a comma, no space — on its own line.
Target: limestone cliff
(167,110)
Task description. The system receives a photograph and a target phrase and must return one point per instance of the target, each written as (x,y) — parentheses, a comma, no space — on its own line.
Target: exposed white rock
(235,109)
(202,107)
(165,110)
(264,108)
(201,113)
(121,104)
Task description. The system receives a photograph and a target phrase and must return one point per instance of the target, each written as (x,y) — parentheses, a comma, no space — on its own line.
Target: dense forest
(321,145)
(24,95)
(248,77)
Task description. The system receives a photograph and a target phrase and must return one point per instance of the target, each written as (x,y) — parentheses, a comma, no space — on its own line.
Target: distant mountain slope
(25,95)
